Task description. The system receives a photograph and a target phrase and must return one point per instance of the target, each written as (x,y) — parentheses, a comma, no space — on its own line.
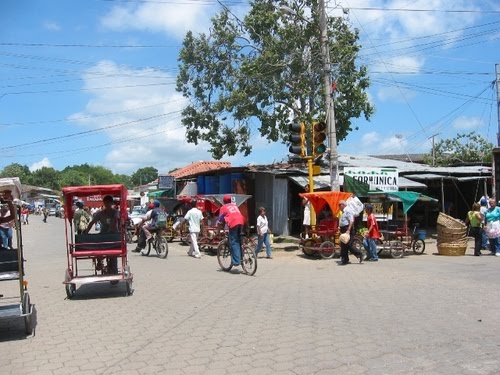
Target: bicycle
(248,256)
(394,247)
(411,241)
(159,242)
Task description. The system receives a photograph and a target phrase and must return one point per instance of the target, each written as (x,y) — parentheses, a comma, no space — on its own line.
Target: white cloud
(145,102)
(40,164)
(395,94)
(52,26)
(171,18)
(467,123)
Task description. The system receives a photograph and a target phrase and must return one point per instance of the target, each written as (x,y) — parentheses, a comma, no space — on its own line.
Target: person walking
(306,223)
(484,207)
(371,235)
(492,227)
(230,214)
(346,224)
(24,214)
(45,213)
(263,233)
(475,221)
(194,217)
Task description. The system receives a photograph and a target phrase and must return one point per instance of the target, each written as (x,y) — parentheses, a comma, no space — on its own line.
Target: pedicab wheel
(418,246)
(224,256)
(128,281)
(129,237)
(249,261)
(396,248)
(162,247)
(307,247)
(70,288)
(357,244)
(26,308)
(327,249)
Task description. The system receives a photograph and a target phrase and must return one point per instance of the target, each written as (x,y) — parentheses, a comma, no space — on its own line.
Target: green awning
(408,198)
(358,188)
(161,193)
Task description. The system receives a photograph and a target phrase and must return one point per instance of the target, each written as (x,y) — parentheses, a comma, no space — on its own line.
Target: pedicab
(93,249)
(12,264)
(323,238)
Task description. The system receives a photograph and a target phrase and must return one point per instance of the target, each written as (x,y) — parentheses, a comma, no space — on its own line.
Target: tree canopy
(259,73)
(464,148)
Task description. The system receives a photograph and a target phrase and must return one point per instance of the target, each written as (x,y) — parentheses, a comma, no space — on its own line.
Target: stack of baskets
(452,236)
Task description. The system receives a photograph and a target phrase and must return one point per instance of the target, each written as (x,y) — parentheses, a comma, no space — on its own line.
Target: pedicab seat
(8,262)
(99,244)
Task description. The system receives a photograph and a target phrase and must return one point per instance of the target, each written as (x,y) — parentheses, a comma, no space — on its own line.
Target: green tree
(264,70)
(46,177)
(72,177)
(17,170)
(464,148)
(144,175)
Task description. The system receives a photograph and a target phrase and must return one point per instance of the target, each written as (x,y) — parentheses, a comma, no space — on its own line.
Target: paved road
(417,315)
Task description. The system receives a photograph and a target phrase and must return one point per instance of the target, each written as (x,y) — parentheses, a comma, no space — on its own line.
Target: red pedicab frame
(324,238)
(91,246)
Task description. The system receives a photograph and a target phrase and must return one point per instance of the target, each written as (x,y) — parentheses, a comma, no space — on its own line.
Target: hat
(483,201)
(79,204)
(344,238)
(227,198)
(368,207)
(151,205)
(343,202)
(156,203)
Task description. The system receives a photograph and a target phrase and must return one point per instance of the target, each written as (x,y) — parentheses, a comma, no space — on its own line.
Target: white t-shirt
(262,225)
(194,217)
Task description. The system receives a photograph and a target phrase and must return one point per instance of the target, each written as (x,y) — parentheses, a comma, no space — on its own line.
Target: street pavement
(422,314)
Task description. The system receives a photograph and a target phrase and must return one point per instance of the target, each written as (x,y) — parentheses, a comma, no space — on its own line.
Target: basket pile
(452,236)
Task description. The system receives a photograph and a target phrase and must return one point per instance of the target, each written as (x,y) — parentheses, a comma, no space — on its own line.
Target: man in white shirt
(194,217)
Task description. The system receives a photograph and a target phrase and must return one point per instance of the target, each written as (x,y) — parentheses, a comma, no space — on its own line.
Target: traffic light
(297,139)
(319,137)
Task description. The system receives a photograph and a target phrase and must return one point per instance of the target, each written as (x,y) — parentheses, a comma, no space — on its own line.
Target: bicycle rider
(230,214)
(145,234)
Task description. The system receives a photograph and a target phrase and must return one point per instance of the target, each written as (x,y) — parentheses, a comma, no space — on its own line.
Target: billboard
(166,182)
(383,179)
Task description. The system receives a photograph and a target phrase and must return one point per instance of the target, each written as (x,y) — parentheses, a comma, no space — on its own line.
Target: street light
(329,105)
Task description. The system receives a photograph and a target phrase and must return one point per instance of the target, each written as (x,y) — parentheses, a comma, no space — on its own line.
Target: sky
(93,81)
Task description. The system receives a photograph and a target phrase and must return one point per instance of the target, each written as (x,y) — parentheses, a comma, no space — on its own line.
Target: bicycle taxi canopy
(408,198)
(96,192)
(320,199)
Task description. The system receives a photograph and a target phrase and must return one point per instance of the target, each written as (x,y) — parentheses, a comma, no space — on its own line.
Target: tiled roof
(200,167)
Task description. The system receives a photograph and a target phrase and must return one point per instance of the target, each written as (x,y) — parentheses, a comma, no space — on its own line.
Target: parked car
(138,213)
(52,211)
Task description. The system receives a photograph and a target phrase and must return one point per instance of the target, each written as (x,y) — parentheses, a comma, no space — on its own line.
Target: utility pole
(433,149)
(497,70)
(329,104)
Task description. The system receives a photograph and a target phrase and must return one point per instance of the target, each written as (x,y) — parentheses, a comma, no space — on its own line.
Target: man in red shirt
(230,214)
(372,234)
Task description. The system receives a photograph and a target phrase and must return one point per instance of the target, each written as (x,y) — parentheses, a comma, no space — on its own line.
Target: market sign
(166,182)
(384,179)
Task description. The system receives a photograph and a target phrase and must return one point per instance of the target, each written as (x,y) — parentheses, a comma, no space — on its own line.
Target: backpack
(161,219)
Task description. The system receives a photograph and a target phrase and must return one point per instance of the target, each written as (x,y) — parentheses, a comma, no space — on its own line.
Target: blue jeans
(484,242)
(5,235)
(371,247)
(264,239)
(234,244)
(495,245)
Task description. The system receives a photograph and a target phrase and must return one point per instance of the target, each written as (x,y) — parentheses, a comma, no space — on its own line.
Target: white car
(138,213)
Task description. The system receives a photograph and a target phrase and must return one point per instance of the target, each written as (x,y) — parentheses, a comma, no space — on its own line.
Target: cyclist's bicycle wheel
(418,246)
(224,256)
(249,261)
(161,247)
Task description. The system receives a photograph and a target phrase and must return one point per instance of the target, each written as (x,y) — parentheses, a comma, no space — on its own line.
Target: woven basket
(453,241)
(450,222)
(460,232)
(451,250)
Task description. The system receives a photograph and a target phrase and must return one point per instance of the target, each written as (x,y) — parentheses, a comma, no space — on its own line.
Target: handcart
(322,239)
(12,264)
(103,254)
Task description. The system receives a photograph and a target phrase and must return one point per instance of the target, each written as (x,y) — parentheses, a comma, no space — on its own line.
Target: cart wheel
(26,306)
(249,261)
(162,247)
(128,288)
(70,288)
(327,249)
(129,237)
(224,256)
(358,245)
(418,246)
(307,247)
(396,248)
